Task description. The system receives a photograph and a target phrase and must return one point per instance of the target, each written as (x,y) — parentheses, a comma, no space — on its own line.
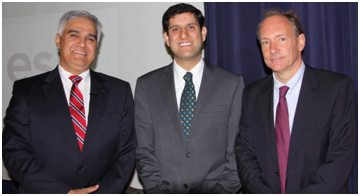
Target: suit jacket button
(188,154)
(80,167)
(186,186)
(277,174)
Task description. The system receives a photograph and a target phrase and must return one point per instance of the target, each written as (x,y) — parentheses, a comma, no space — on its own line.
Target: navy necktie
(187,104)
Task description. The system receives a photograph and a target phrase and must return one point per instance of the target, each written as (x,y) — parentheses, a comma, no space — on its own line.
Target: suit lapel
(54,91)
(206,90)
(306,103)
(168,90)
(97,106)
(267,115)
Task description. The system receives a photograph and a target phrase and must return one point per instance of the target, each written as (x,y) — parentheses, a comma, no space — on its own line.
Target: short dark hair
(179,9)
(290,14)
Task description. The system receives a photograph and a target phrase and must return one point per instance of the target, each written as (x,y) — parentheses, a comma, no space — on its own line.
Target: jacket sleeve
(146,162)
(333,173)
(248,167)
(122,166)
(18,155)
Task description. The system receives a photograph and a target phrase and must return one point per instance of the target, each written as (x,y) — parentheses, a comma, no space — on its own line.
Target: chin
(276,66)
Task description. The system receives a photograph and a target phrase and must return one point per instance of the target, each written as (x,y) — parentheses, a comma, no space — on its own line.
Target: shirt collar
(65,75)
(196,71)
(294,81)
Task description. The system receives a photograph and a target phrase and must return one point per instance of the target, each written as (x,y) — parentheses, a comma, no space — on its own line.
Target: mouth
(276,59)
(185,44)
(79,52)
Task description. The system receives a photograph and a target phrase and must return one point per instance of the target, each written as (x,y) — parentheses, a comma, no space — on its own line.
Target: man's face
(185,37)
(77,45)
(281,50)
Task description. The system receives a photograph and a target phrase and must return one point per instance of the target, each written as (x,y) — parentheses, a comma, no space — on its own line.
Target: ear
(203,33)
(166,38)
(301,42)
(57,40)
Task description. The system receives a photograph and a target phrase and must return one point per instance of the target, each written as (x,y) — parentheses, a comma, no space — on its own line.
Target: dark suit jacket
(323,138)
(206,163)
(40,149)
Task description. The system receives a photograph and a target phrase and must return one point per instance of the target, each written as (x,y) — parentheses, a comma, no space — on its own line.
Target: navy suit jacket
(323,139)
(40,149)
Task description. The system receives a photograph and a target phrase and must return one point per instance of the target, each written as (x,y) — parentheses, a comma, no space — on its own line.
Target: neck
(188,64)
(285,75)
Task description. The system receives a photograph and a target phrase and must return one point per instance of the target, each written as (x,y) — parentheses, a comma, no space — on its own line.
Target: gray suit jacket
(206,163)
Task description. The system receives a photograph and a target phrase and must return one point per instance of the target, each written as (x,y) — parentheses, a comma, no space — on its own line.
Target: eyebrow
(76,31)
(189,24)
(276,36)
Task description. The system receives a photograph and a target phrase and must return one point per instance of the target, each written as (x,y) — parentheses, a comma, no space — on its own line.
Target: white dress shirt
(179,73)
(84,87)
(292,96)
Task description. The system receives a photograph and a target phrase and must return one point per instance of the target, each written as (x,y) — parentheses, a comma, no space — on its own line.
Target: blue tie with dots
(187,104)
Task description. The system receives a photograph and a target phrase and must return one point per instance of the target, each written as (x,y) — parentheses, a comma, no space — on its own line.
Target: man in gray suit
(193,151)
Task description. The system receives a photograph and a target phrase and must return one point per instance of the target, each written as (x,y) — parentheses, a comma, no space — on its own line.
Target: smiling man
(187,115)
(71,130)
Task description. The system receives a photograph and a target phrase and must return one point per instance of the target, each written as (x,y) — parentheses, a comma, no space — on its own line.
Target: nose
(82,42)
(184,33)
(273,48)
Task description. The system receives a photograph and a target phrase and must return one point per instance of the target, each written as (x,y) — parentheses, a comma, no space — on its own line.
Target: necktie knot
(75,79)
(283,91)
(188,77)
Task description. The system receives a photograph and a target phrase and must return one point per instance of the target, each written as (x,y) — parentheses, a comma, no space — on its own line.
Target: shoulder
(260,85)
(326,77)
(223,77)
(221,71)
(157,73)
(26,84)
(108,80)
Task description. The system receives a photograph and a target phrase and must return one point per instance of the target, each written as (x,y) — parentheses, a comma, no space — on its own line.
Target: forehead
(186,17)
(276,25)
(81,24)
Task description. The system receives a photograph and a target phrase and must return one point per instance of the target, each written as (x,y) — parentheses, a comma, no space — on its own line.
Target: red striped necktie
(77,110)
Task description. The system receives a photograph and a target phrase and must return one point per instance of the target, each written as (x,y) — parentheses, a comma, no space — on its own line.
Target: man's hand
(84,190)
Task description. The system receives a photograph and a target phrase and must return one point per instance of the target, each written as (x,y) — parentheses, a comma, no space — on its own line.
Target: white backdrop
(132,43)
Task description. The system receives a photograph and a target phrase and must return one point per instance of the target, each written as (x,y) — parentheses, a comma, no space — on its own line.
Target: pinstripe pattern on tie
(77,110)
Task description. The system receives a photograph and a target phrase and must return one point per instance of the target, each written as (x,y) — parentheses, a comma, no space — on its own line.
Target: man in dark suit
(186,141)
(61,137)
(300,138)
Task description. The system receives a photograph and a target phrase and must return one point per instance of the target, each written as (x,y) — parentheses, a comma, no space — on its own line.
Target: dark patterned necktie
(282,132)
(187,104)
(77,110)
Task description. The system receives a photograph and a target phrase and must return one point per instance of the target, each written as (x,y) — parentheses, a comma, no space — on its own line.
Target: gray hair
(70,15)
